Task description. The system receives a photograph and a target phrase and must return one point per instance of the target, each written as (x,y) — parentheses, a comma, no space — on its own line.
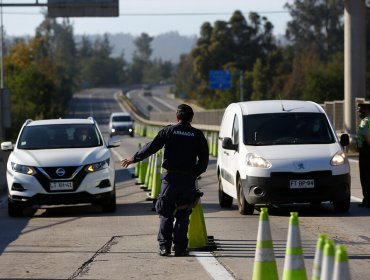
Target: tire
(342,206)
(244,207)
(15,209)
(110,206)
(224,199)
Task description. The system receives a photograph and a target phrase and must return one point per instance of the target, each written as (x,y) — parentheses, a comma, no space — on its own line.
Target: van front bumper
(276,189)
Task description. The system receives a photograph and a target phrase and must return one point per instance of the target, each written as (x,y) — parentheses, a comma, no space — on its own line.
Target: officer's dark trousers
(177,190)
(364,165)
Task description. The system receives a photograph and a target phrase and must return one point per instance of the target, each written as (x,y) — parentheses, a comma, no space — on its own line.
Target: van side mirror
(344,140)
(227,144)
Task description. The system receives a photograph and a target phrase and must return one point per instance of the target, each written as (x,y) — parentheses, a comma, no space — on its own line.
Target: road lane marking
(212,266)
(164,103)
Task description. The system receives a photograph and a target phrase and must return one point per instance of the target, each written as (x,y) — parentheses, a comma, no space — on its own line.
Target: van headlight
(23,169)
(97,166)
(338,159)
(254,160)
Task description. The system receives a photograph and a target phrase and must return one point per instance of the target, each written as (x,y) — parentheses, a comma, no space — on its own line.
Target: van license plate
(302,184)
(61,186)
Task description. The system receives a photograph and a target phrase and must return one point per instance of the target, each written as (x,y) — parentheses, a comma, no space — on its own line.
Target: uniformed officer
(185,157)
(363,142)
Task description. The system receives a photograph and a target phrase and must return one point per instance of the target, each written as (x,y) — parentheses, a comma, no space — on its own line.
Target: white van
(281,151)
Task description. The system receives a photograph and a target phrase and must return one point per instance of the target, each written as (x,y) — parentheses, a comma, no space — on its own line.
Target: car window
(287,128)
(121,119)
(59,137)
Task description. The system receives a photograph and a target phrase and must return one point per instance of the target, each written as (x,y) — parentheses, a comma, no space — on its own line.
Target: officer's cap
(184,112)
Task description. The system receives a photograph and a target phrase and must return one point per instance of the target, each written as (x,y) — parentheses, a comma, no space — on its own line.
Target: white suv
(60,161)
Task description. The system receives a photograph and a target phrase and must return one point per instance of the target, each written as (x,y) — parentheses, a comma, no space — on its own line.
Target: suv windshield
(121,119)
(59,136)
(286,129)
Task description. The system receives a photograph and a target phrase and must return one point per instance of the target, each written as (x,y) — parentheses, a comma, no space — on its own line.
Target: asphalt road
(81,242)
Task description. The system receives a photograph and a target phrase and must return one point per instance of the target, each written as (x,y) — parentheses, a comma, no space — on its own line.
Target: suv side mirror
(227,144)
(344,140)
(7,146)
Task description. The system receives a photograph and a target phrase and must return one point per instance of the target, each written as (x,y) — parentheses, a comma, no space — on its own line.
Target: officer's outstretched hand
(126,162)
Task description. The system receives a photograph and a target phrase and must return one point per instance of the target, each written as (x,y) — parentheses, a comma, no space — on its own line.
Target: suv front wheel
(244,207)
(110,206)
(15,209)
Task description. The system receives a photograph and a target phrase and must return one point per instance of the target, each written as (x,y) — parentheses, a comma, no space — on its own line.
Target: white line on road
(164,103)
(212,266)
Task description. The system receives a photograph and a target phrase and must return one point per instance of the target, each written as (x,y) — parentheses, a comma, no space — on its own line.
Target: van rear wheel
(244,207)
(224,199)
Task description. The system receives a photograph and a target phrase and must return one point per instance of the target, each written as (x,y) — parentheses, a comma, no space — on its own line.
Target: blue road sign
(219,79)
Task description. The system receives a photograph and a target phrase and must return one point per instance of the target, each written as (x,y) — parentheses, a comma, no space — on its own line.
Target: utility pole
(355,60)
(2,134)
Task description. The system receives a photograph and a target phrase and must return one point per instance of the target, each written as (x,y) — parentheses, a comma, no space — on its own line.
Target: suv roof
(60,121)
(276,106)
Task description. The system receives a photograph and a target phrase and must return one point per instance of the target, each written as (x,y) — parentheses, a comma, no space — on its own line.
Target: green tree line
(44,71)
(309,66)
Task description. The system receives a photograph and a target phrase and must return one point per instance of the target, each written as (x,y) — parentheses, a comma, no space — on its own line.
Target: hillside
(167,46)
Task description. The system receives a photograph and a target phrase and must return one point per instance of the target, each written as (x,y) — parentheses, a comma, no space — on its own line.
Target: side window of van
(235,132)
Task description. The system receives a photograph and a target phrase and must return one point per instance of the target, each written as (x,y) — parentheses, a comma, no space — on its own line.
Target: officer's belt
(172,171)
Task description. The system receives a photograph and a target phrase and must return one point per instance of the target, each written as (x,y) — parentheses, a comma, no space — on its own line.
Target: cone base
(265,270)
(298,274)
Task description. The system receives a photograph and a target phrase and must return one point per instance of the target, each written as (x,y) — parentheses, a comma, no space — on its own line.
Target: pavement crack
(103,250)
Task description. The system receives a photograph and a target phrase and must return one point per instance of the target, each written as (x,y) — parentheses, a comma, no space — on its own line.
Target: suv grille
(73,174)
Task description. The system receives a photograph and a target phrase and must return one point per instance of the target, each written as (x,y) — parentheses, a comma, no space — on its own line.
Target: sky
(150,16)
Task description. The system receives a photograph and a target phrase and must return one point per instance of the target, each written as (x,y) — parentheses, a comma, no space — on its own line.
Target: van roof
(276,106)
(120,114)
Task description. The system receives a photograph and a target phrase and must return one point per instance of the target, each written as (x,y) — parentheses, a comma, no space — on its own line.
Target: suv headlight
(97,166)
(23,169)
(254,160)
(338,159)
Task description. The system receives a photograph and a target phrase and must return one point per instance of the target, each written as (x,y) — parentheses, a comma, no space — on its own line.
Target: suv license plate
(61,186)
(302,184)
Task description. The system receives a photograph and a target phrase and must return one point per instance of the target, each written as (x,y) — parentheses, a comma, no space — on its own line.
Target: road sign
(83,8)
(219,79)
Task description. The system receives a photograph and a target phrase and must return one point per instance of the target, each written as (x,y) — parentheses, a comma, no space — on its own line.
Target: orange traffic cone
(316,266)
(264,259)
(294,268)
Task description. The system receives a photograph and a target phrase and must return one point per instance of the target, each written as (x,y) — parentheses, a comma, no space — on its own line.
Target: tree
(236,46)
(317,25)
(141,58)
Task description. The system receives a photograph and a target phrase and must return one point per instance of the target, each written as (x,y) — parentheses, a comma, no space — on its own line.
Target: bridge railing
(209,120)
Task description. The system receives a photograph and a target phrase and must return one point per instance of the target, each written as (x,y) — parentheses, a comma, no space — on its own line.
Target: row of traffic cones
(329,264)
(148,173)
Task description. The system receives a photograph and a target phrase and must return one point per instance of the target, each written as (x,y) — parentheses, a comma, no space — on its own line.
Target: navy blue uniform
(185,157)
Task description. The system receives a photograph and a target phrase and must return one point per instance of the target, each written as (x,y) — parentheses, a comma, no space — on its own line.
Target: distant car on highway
(147,90)
(60,161)
(121,123)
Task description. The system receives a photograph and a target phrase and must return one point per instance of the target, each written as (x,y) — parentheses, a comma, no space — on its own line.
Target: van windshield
(286,129)
(121,119)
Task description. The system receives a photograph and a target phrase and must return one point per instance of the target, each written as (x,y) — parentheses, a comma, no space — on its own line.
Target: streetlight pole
(1,72)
